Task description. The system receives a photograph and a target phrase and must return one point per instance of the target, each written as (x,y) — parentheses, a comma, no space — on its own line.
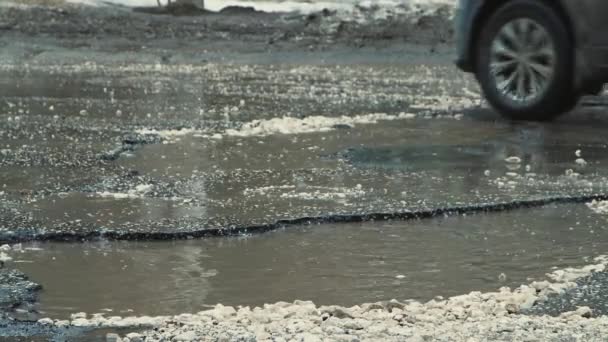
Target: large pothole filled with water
(344,264)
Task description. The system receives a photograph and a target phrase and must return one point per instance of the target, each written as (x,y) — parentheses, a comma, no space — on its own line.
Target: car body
(584,21)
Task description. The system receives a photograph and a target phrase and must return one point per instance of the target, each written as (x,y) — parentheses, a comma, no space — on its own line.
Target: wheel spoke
(524,27)
(521,83)
(537,38)
(545,51)
(499,67)
(506,84)
(510,34)
(536,83)
(500,49)
(541,69)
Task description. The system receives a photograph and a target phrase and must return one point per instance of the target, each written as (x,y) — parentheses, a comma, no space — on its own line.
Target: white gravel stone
(134,337)
(187,336)
(513,160)
(112,337)
(45,321)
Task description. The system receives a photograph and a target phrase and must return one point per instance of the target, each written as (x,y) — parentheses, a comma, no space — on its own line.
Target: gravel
(381,325)
(16,290)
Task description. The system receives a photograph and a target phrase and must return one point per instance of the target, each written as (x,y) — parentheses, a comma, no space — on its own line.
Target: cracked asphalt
(148,149)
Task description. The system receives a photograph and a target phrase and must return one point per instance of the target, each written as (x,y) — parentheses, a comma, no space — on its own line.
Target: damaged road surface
(136,168)
(125,161)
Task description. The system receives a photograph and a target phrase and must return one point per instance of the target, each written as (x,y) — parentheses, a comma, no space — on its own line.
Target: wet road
(178,149)
(123,151)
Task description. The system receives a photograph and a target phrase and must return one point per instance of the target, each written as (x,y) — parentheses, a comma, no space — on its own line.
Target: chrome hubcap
(522,61)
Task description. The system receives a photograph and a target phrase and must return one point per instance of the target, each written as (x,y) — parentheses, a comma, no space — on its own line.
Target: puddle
(551,160)
(331,264)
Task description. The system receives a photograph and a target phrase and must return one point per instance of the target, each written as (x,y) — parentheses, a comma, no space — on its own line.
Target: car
(534,59)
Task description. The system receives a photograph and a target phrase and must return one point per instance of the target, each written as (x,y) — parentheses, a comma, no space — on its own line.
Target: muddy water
(334,264)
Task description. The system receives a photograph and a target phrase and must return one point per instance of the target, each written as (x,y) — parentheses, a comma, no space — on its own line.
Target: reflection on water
(333,264)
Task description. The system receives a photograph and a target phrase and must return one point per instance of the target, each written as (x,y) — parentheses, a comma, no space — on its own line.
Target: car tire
(525,62)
